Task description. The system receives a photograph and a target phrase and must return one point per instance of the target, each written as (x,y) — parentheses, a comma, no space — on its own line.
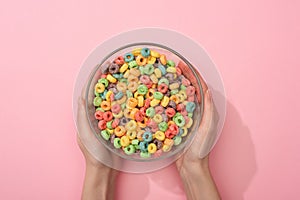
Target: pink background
(255,45)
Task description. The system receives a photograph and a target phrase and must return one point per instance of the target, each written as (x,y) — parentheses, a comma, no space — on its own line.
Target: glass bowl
(176,151)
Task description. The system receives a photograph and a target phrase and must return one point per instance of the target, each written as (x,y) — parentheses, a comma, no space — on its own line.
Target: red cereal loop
(147,103)
(180,107)
(154,129)
(184,112)
(187,119)
(145,79)
(170,112)
(99,115)
(107,116)
(102,124)
(112,97)
(174,129)
(139,116)
(169,134)
(191,98)
(103,75)
(119,60)
(115,123)
(185,82)
(143,110)
(149,85)
(163,88)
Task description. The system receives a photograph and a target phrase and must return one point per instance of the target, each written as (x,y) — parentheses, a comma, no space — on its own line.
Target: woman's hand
(99,182)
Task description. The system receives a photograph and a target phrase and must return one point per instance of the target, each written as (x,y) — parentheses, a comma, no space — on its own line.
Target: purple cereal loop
(113,68)
(112,137)
(164,117)
(154,129)
(158,143)
(169,76)
(123,121)
(114,90)
(168,93)
(147,129)
(172,104)
(111,85)
(104,67)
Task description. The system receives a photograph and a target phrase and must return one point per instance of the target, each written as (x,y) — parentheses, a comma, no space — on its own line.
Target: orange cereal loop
(169,142)
(132,113)
(122,100)
(140,60)
(163,59)
(105,105)
(135,72)
(170,123)
(120,131)
(132,102)
(150,93)
(141,125)
(175,99)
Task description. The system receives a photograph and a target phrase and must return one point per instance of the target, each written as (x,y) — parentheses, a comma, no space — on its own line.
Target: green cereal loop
(123,106)
(103,81)
(132,64)
(135,142)
(97,101)
(182,87)
(190,115)
(148,69)
(150,112)
(163,80)
(136,146)
(96,93)
(145,154)
(130,149)
(142,70)
(163,126)
(179,120)
(142,89)
(105,134)
(100,109)
(108,124)
(129,94)
(123,80)
(177,140)
(158,95)
(117,143)
(174,92)
(170,63)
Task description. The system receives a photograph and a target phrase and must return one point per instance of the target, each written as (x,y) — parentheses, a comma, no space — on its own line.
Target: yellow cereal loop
(160,135)
(121,86)
(131,102)
(110,131)
(108,94)
(99,88)
(165,101)
(123,68)
(111,79)
(171,70)
(131,125)
(139,135)
(131,78)
(153,78)
(150,93)
(151,60)
(157,72)
(184,132)
(126,74)
(157,118)
(131,134)
(136,51)
(140,101)
(136,94)
(182,92)
(118,115)
(154,102)
(126,113)
(180,98)
(154,86)
(152,148)
(154,54)
(125,141)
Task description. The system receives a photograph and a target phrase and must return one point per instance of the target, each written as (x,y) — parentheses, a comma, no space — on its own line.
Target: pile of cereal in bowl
(143,103)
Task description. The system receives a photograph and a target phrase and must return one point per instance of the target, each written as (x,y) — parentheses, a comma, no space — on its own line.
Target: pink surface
(255,44)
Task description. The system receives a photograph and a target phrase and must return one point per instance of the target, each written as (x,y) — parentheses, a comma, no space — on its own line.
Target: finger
(208,110)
